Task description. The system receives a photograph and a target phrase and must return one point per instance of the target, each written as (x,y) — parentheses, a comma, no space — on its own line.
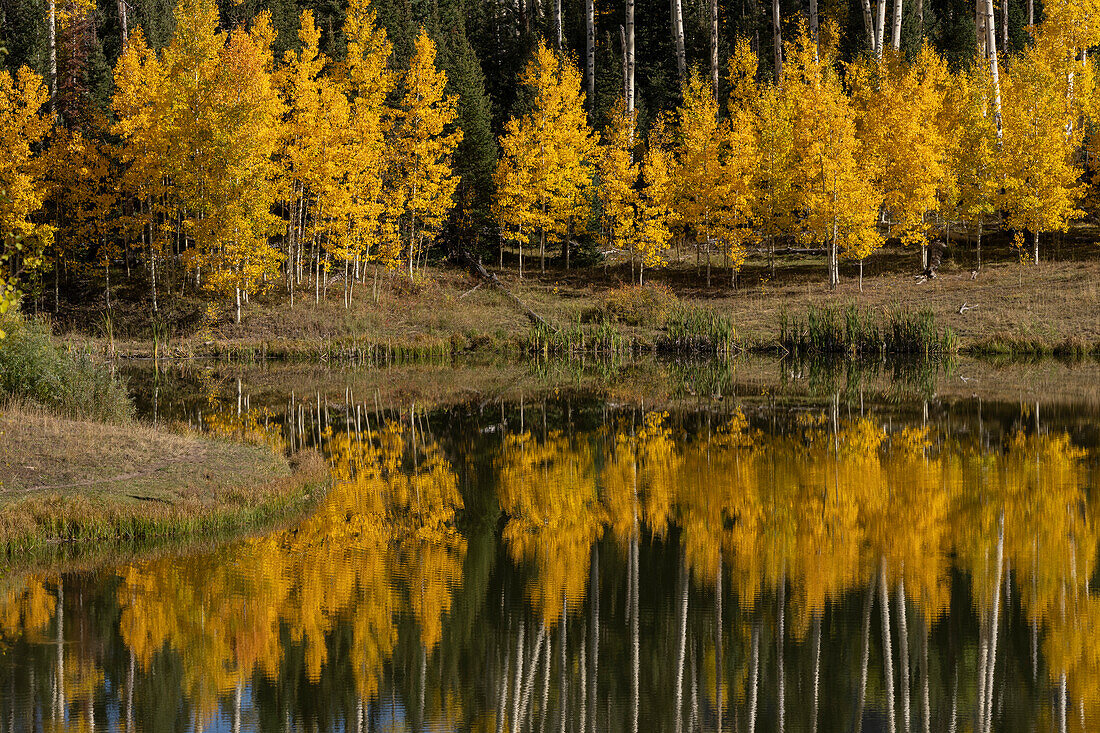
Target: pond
(662,548)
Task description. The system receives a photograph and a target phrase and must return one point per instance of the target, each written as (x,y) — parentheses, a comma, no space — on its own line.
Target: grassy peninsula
(76,467)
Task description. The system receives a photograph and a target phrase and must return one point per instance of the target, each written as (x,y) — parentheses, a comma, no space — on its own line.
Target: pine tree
(476,154)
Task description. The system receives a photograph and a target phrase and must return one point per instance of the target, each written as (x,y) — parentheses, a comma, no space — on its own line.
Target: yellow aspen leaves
(545,166)
(425,146)
(898,102)
(838,202)
(1039,171)
(618,176)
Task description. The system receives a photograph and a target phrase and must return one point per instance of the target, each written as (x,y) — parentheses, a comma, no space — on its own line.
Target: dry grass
(66,480)
(1008,306)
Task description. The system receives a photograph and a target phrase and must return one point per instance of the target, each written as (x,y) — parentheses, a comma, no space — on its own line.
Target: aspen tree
(618,174)
(22,128)
(972,153)
(220,113)
(656,200)
(138,106)
(424,150)
(765,110)
(369,82)
(898,104)
(713,172)
(546,155)
(314,152)
(837,201)
(1038,167)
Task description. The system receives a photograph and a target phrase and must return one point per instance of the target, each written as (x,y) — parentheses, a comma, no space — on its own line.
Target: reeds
(862,333)
(695,330)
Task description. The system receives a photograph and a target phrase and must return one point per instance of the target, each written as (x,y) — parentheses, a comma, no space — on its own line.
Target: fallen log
(478,270)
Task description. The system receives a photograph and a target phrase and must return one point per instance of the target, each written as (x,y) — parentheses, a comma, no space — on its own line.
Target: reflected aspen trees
(718,570)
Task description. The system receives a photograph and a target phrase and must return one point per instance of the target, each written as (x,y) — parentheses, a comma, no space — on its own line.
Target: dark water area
(733,557)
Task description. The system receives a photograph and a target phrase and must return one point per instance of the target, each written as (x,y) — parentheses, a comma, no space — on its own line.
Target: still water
(563,559)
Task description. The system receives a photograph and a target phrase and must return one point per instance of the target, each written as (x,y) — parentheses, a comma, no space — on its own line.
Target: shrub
(633,305)
(35,369)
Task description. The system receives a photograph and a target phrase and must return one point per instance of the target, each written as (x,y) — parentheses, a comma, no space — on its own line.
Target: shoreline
(1008,309)
(139,485)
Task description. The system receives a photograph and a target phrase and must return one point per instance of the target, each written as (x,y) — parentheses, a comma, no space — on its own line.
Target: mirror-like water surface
(570,562)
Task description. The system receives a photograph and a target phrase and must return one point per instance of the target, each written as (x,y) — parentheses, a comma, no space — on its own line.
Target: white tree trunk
(713,10)
(678,40)
(896,39)
(123,22)
(51,40)
(629,70)
(869,23)
(777,35)
(590,50)
(880,27)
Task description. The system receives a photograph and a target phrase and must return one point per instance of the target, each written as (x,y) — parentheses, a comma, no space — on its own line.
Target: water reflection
(571,565)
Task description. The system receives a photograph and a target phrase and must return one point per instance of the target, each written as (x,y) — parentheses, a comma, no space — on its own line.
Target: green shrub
(35,369)
(633,305)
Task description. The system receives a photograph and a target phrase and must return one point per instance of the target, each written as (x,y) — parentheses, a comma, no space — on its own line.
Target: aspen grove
(218,164)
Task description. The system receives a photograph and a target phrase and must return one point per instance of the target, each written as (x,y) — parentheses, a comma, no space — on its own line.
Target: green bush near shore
(35,369)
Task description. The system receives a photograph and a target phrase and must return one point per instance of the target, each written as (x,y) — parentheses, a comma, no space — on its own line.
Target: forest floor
(1010,306)
(73,481)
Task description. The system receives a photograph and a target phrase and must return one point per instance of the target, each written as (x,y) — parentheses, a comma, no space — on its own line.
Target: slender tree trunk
(1004,25)
(887,647)
(816,643)
(590,51)
(629,70)
(903,657)
(713,17)
(678,41)
(979,268)
(682,654)
(594,633)
(1035,248)
(990,35)
(123,23)
(880,27)
(920,20)
(896,38)
(754,674)
(557,25)
(813,20)
(777,37)
(987,717)
(869,23)
(635,645)
(780,647)
(51,40)
(1030,13)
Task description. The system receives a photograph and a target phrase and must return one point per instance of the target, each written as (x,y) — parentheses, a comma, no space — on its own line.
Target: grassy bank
(67,480)
(1009,307)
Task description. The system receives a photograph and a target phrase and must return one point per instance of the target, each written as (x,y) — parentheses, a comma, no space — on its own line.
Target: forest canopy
(271,146)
